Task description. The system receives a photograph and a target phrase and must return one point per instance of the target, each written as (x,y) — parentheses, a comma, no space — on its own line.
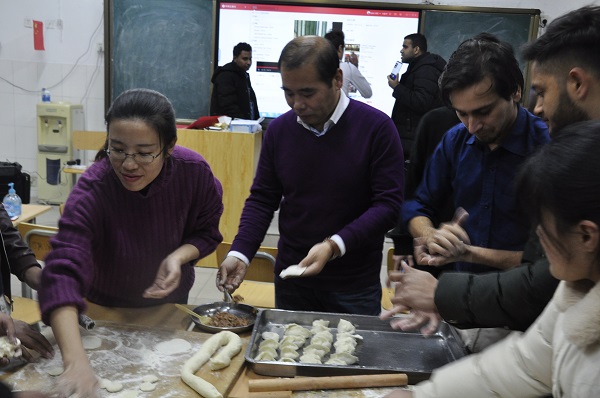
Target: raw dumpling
(345,327)
(294,339)
(321,341)
(268,343)
(341,358)
(310,357)
(289,352)
(270,336)
(264,356)
(297,330)
(321,322)
(326,334)
(317,349)
(287,360)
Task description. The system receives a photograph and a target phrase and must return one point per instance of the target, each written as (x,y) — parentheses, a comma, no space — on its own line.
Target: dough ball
(147,387)
(56,371)
(8,349)
(128,394)
(91,342)
(172,347)
(113,386)
(150,379)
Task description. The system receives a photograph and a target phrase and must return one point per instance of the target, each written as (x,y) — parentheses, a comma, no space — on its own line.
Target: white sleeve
(359,81)
(520,365)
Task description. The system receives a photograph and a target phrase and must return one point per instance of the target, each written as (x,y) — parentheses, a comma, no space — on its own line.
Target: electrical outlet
(28,23)
(100,47)
(33,181)
(59,23)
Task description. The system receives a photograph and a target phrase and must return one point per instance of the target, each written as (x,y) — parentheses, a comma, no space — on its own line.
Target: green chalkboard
(446,29)
(164,45)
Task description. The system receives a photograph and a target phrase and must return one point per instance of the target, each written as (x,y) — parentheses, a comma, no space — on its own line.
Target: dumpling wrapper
(292,271)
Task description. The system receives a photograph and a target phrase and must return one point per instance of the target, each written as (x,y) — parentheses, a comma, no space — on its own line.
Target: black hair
(418,40)
(237,50)
(563,178)
(146,105)
(315,50)
(475,59)
(572,39)
(336,37)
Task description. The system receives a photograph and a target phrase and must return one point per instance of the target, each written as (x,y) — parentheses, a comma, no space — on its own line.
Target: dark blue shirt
(482,182)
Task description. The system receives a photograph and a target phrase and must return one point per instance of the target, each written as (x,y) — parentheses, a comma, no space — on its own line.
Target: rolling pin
(328,383)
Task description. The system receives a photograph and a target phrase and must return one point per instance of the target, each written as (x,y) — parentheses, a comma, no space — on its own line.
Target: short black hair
(336,37)
(418,40)
(315,50)
(572,39)
(475,59)
(563,178)
(237,50)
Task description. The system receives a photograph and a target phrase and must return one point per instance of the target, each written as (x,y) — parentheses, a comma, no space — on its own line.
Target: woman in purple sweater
(132,228)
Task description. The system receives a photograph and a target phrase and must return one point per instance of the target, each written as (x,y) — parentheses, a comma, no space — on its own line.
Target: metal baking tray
(382,350)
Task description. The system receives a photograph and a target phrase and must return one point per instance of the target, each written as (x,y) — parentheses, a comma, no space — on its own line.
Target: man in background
(232,93)
(350,72)
(333,166)
(416,92)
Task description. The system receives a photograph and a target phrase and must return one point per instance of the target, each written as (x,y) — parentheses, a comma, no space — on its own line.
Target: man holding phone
(416,91)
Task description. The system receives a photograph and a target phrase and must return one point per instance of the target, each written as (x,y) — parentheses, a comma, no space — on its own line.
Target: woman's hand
(78,380)
(167,279)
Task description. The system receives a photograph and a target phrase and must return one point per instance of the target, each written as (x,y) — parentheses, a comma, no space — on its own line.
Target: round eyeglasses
(140,158)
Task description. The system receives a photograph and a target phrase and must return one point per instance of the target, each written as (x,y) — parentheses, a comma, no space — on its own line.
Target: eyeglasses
(139,158)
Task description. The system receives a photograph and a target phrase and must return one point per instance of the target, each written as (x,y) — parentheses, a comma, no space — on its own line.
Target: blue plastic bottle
(12,202)
(45,95)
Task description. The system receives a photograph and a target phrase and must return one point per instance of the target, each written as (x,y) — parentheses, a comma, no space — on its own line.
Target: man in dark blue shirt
(477,161)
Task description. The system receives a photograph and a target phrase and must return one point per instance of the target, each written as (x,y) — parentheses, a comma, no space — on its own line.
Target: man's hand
(231,274)
(426,322)
(414,290)
(316,259)
(449,243)
(393,82)
(33,340)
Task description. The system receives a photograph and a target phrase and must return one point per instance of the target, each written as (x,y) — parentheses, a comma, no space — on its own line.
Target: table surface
(168,316)
(30,212)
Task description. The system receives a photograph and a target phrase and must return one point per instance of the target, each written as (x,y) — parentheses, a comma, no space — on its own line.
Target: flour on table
(56,371)
(172,347)
(128,394)
(91,342)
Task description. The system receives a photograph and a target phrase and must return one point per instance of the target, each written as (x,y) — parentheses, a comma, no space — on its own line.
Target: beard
(567,113)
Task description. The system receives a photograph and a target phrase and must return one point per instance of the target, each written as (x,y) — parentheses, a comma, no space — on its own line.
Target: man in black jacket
(232,93)
(416,92)
(566,79)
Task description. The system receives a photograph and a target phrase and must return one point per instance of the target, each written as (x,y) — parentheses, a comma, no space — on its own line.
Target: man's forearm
(501,259)
(420,226)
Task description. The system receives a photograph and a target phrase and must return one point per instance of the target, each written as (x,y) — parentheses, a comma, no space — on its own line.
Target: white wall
(74,71)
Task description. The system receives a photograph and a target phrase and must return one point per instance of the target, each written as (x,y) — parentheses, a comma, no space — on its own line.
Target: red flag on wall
(38,35)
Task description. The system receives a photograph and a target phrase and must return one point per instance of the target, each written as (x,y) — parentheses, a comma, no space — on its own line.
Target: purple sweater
(111,241)
(346,182)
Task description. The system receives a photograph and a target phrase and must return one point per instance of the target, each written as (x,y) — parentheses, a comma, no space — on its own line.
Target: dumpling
(270,350)
(343,341)
(286,360)
(347,334)
(345,346)
(310,357)
(294,339)
(270,336)
(297,330)
(347,359)
(326,334)
(321,341)
(288,352)
(268,343)
(320,322)
(318,328)
(345,327)
(264,356)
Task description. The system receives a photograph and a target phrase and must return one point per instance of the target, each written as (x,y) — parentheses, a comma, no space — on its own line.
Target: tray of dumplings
(295,343)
